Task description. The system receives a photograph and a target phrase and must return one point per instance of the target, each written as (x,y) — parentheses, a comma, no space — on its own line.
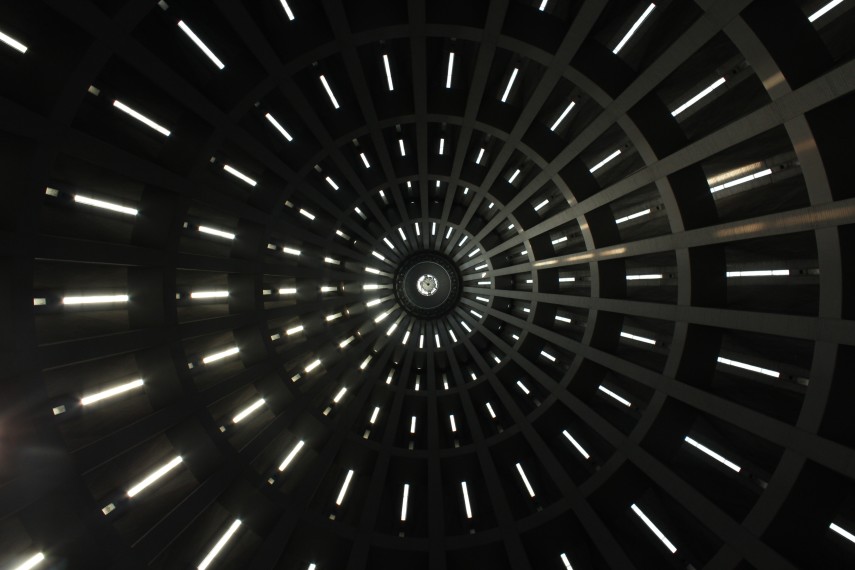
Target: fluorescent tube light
(566,562)
(450,69)
(339,396)
(291,251)
(514,176)
(646,276)
(294,330)
(741,180)
(523,387)
(200,44)
(243,414)
(490,410)
(220,355)
(632,216)
(341,493)
(608,392)
(35,559)
(388,72)
(751,367)
(92,299)
(287,9)
(154,476)
(466,499)
(216,232)
(654,528)
(706,91)
(510,84)
(332,183)
(239,175)
(141,118)
(105,205)
(404,502)
(575,443)
(605,161)
(329,92)
(842,532)
(14,44)
(401,145)
(452,422)
(307,214)
(634,28)
(221,543)
(637,338)
(480,156)
(562,116)
(288,291)
(312,365)
(366,163)
(525,480)
(760,273)
(541,205)
(543,5)
(822,11)
(374,415)
(441,147)
(291,455)
(110,392)
(713,454)
(208,294)
(547,355)
(278,127)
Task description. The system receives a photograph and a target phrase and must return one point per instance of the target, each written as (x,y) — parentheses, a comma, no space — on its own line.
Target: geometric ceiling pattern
(427,284)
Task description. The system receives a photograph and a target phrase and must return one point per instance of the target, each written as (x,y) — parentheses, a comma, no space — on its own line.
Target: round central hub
(427,284)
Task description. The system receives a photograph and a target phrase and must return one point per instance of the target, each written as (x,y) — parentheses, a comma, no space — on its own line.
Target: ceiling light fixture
(329,92)
(200,44)
(221,543)
(634,28)
(141,118)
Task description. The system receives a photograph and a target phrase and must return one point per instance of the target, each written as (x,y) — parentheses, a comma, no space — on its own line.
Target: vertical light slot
(111,392)
(634,28)
(374,414)
(441,147)
(344,486)
(514,176)
(366,163)
(510,84)
(141,118)
(466,504)
(563,115)
(282,131)
(201,45)
(566,562)
(247,411)
(404,501)
(824,10)
(239,175)
(154,476)
(13,43)
(291,455)
(525,481)
(413,424)
(401,146)
(340,395)
(605,161)
(94,299)
(287,9)
(221,543)
(543,5)
(480,156)
(706,91)
(388,72)
(450,70)
(490,411)
(452,422)
(326,85)
(32,562)
(654,528)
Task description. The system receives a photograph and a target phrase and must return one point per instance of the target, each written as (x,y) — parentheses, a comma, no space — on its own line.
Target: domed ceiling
(427,284)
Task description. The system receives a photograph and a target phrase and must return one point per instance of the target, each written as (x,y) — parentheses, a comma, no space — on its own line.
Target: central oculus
(427,284)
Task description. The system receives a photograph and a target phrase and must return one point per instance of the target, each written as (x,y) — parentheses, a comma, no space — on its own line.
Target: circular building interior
(427,284)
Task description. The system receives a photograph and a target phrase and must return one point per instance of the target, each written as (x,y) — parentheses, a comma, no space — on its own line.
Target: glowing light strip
(208,294)
(221,543)
(514,176)
(525,480)
(291,455)
(466,499)
(154,476)
(404,502)
(388,72)
(644,276)
(510,84)
(751,367)
(13,43)
(287,9)
(374,415)
(842,532)
(562,116)
(706,91)
(450,69)
(741,180)
(200,44)
(32,562)
(105,205)
(216,232)
(329,92)
(634,28)
(712,454)
(632,216)
(110,392)
(248,410)
(566,562)
(638,338)
(654,528)
(824,10)
(368,165)
(576,444)
(490,410)
(272,120)
(312,365)
(608,392)
(239,175)
(141,118)
(341,493)
(760,273)
(605,161)
(480,156)
(220,355)
(94,299)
